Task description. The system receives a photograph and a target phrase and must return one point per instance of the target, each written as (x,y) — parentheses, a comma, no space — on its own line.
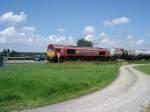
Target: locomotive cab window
(71,51)
(58,50)
(101,53)
(50,49)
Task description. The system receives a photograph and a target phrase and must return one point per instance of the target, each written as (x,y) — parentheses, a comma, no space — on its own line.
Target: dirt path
(129,93)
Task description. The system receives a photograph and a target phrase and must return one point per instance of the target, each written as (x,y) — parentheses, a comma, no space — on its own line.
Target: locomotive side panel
(67,52)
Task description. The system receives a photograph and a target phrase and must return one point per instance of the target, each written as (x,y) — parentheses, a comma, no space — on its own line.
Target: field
(145,69)
(143,61)
(31,85)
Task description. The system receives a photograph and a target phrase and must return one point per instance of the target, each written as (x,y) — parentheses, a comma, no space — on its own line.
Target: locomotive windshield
(50,49)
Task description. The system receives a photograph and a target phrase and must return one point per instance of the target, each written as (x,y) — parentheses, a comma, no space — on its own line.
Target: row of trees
(13,53)
(7,53)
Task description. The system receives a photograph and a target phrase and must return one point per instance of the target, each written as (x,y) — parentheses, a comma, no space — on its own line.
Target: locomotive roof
(75,47)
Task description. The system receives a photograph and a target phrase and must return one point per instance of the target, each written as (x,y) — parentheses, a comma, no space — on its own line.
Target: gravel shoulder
(23,62)
(130,92)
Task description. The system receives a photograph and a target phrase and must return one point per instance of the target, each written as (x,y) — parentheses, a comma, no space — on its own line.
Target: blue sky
(127,22)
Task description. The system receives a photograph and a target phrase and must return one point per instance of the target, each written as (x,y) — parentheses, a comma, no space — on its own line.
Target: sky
(30,25)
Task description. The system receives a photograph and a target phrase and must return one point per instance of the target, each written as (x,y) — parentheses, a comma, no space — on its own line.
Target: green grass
(143,61)
(144,68)
(31,85)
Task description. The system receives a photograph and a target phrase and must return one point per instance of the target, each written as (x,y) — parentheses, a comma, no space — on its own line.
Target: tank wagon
(118,54)
(129,54)
(60,53)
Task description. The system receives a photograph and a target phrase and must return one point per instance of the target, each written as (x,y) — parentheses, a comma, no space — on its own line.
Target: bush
(1,60)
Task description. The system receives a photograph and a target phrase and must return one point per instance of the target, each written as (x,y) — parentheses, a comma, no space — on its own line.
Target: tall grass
(30,85)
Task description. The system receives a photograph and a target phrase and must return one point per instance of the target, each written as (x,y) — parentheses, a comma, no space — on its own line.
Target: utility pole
(58,57)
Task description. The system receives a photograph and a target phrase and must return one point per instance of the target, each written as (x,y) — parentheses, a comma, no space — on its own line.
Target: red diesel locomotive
(56,53)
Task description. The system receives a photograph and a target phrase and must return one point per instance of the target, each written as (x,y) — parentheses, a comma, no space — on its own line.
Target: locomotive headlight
(50,53)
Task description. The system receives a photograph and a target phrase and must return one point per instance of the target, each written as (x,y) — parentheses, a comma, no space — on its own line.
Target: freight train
(60,53)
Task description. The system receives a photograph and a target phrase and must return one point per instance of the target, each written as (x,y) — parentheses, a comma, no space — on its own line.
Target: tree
(6,52)
(1,60)
(13,53)
(84,43)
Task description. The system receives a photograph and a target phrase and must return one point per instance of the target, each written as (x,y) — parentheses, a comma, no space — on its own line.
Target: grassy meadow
(142,61)
(144,68)
(30,85)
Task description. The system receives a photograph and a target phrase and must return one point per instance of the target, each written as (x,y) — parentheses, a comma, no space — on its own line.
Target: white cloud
(61,29)
(21,40)
(89,30)
(116,21)
(28,29)
(89,37)
(13,39)
(26,39)
(110,42)
(11,18)
(55,39)
(105,39)
(8,32)
(71,41)
(133,42)
(62,40)
(2,40)
(147,34)
(130,37)
(139,42)
(89,33)
(103,35)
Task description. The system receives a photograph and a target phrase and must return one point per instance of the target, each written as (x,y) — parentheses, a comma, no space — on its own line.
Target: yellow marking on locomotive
(50,54)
